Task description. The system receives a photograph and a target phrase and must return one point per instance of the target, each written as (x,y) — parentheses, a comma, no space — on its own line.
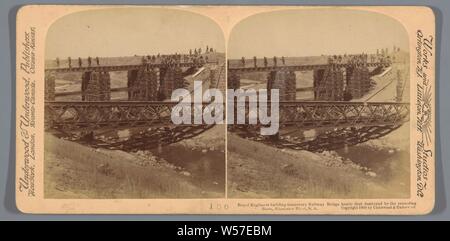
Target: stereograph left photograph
(109,79)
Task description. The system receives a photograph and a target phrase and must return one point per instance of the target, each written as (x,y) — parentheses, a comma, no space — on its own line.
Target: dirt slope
(256,170)
(76,171)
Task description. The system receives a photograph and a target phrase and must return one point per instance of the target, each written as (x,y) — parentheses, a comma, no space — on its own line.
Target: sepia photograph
(343,82)
(109,78)
(235,110)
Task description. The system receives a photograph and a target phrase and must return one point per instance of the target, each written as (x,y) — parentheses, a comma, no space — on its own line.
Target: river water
(206,167)
(391,165)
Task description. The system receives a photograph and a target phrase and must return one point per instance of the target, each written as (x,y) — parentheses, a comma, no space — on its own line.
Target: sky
(314,32)
(127,32)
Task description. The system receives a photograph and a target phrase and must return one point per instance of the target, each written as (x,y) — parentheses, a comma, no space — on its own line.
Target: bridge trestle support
(142,84)
(213,78)
(233,80)
(96,86)
(50,78)
(284,81)
(171,78)
(358,81)
(329,83)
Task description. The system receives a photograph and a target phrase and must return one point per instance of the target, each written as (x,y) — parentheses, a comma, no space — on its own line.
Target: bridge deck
(107,68)
(296,67)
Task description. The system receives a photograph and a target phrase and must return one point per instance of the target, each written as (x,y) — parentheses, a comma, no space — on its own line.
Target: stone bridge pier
(142,84)
(95,86)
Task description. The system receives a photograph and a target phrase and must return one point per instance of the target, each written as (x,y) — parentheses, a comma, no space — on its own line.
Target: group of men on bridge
(357,59)
(170,59)
(80,62)
(199,51)
(174,59)
(354,59)
(266,62)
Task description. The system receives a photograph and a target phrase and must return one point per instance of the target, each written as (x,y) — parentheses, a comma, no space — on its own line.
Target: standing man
(57,62)
(283,60)
(79,62)
(89,61)
(97,60)
(70,62)
(265,61)
(254,61)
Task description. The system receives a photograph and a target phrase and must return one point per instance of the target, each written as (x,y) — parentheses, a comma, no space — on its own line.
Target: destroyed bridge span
(357,121)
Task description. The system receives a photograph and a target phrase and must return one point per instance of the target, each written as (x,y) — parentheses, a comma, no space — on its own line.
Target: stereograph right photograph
(337,123)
